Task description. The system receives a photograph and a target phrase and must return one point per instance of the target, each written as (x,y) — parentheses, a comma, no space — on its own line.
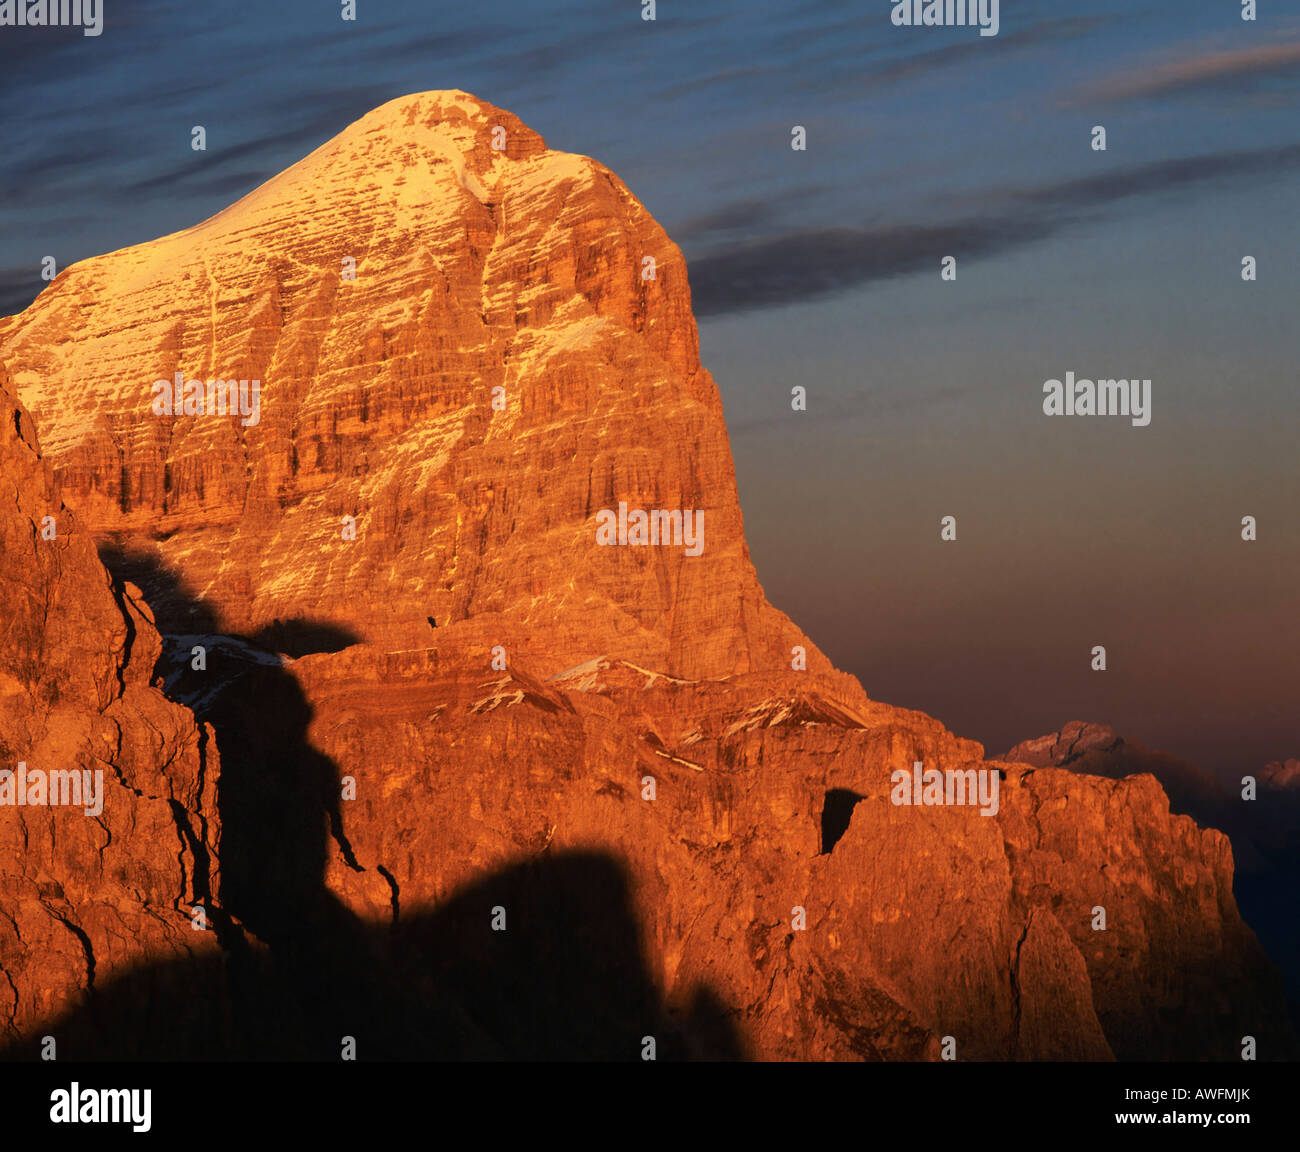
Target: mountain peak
(484,135)
(397,152)
(436,108)
(467,349)
(474,357)
(1073,740)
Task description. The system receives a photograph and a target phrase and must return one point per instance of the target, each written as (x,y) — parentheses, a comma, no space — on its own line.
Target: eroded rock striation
(520,276)
(101,867)
(488,786)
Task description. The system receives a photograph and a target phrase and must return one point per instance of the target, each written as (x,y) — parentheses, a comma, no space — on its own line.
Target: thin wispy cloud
(802,265)
(1200,72)
(981,52)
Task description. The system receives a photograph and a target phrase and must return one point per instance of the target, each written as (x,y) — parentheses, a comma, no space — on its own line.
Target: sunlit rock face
(514,788)
(101,866)
(469,344)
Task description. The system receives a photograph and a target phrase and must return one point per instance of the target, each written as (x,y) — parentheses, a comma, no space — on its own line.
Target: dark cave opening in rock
(837,811)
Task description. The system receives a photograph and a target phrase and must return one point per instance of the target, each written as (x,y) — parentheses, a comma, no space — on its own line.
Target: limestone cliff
(685,827)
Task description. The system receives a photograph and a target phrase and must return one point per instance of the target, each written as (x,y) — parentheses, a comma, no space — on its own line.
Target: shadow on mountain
(542,960)
(179,612)
(565,980)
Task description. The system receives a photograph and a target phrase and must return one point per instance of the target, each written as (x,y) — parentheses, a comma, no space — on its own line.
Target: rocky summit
(378,540)
(461,344)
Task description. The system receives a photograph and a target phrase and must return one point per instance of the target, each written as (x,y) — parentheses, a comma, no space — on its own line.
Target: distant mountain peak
(1059,748)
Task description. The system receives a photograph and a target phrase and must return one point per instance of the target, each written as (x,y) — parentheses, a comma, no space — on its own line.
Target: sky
(821,268)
